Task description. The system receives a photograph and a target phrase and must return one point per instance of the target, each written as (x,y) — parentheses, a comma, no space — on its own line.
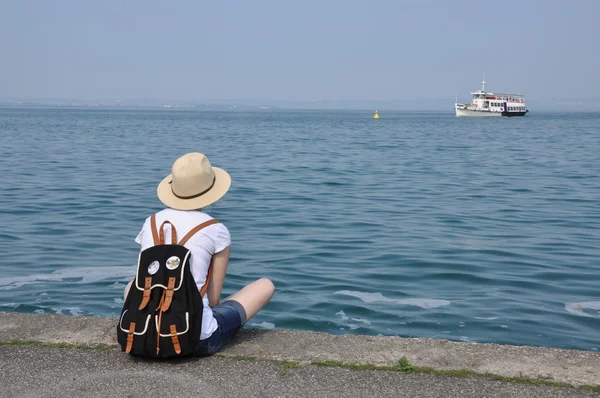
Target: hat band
(197,195)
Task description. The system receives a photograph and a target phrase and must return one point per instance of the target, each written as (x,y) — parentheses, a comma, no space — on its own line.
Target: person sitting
(193,185)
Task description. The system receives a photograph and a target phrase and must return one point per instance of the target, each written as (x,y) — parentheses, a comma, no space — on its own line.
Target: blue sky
(301,51)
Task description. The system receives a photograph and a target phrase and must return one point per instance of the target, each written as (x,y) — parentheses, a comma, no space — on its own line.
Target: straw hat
(193,184)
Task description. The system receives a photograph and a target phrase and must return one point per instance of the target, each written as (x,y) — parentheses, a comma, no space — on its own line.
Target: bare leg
(254,296)
(126,292)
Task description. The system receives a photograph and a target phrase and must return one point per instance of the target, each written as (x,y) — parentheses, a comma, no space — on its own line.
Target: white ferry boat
(492,104)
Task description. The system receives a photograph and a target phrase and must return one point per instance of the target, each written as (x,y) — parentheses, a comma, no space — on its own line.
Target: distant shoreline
(219,108)
(261,105)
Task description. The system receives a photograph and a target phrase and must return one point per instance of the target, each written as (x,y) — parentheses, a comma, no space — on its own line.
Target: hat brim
(166,195)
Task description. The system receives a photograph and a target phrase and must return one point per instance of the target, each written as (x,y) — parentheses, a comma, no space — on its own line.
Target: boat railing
(518,99)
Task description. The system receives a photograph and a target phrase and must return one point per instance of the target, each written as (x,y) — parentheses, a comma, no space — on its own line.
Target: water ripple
(417,224)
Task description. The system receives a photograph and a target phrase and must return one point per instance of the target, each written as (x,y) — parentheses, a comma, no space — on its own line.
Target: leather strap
(161,232)
(154,230)
(168,295)
(162,300)
(130,337)
(205,286)
(175,339)
(156,236)
(146,296)
(196,229)
(159,239)
(187,237)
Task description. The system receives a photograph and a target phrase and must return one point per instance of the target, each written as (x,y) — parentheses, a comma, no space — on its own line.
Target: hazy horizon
(273,51)
(433,104)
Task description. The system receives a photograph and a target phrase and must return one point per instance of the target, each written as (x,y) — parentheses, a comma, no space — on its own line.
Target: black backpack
(162,314)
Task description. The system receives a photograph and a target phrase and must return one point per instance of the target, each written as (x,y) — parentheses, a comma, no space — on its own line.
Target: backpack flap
(158,264)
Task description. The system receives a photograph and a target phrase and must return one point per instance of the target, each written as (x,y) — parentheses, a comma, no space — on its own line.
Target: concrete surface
(30,370)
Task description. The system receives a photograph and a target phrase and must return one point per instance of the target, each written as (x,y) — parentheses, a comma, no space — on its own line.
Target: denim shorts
(230,317)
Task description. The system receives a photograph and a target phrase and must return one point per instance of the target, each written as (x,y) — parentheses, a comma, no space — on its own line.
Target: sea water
(416,224)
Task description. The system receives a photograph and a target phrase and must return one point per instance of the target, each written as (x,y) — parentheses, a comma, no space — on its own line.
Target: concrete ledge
(569,366)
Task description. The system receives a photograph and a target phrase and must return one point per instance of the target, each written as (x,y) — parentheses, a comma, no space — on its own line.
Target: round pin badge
(153,267)
(173,262)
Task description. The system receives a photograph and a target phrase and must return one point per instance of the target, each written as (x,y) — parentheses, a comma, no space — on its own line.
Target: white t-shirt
(203,245)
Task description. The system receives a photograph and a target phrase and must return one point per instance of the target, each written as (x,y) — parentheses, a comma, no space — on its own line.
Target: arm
(219,268)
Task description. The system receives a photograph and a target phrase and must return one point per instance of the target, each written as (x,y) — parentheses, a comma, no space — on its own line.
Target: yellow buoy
(376,116)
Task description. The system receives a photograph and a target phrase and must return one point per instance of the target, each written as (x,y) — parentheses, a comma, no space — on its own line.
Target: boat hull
(511,114)
(474,113)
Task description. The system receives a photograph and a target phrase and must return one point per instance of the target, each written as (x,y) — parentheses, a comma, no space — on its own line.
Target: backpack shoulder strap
(184,241)
(205,286)
(154,229)
(196,229)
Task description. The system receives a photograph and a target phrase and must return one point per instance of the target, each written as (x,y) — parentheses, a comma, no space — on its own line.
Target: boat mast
(483,83)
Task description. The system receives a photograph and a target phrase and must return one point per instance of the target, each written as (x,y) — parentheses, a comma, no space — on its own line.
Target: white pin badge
(173,262)
(153,267)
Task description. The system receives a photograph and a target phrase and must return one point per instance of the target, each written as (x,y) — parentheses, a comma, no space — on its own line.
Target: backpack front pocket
(173,332)
(134,332)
